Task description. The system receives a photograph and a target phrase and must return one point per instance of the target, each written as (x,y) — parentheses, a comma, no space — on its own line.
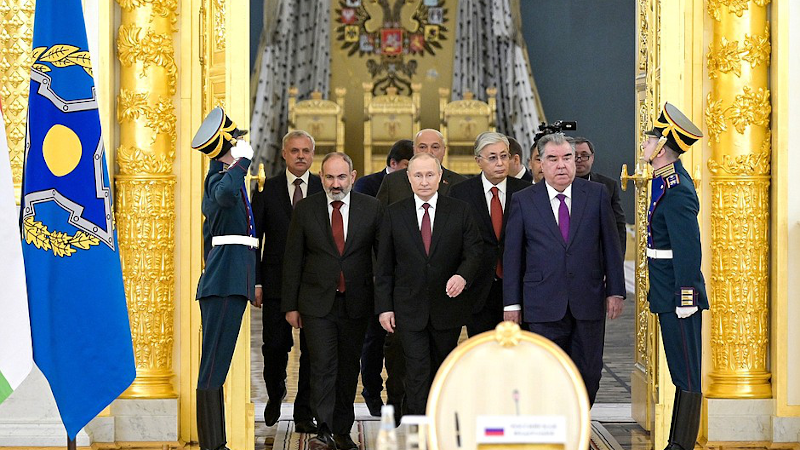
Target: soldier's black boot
(686,422)
(211,419)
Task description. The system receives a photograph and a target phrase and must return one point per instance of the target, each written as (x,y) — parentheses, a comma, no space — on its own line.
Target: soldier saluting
(228,281)
(677,289)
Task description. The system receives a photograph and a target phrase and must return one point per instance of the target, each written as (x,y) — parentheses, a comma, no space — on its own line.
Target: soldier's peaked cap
(673,125)
(217,134)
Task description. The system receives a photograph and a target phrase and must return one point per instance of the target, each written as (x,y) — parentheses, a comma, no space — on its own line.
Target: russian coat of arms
(391,34)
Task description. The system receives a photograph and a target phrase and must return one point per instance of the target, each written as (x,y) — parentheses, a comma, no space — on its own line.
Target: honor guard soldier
(229,252)
(677,289)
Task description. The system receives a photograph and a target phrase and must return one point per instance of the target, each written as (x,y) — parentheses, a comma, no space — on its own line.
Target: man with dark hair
(584,158)
(562,265)
(328,291)
(272,209)
(372,353)
(677,289)
(535,164)
(489,196)
(515,167)
(397,159)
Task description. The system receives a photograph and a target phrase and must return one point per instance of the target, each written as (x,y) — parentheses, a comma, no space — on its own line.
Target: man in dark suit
(397,159)
(677,288)
(430,250)
(395,185)
(489,194)
(229,252)
(372,352)
(562,261)
(273,210)
(584,159)
(328,291)
(535,164)
(515,167)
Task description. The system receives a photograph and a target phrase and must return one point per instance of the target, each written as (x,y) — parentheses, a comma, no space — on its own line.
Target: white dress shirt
(290,184)
(344,209)
(520,174)
(421,211)
(555,203)
(487,192)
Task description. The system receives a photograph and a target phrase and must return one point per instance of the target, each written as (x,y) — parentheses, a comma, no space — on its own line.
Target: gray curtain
(490,52)
(294,51)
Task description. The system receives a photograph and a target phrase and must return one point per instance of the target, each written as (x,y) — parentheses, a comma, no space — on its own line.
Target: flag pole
(71,444)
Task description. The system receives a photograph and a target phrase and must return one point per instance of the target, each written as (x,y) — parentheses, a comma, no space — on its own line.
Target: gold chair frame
(478,373)
(322,119)
(461,122)
(387,119)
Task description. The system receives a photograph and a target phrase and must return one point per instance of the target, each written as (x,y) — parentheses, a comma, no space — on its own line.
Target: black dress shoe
(344,442)
(322,441)
(374,406)
(272,412)
(305,426)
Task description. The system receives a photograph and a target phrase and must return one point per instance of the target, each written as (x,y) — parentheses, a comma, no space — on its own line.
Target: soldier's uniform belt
(233,239)
(659,254)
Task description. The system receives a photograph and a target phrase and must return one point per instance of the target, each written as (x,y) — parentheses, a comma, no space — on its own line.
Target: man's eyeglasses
(493,158)
(579,158)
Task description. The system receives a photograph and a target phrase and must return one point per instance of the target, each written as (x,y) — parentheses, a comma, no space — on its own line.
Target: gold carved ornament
(737,7)
(752,107)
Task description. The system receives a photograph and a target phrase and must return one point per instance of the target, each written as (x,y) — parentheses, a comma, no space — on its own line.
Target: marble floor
(612,407)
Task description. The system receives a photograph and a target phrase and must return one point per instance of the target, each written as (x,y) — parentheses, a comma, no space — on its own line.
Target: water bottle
(387,435)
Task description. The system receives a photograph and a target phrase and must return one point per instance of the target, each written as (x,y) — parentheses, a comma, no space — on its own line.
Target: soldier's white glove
(685,311)
(242,149)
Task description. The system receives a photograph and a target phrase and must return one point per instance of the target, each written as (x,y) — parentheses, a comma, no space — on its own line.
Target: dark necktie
(496,212)
(298,192)
(563,217)
(425,229)
(337,225)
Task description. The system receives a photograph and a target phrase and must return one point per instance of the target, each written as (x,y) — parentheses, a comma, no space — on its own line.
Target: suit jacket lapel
(542,203)
(410,218)
(283,195)
(439,223)
(579,202)
(478,198)
(355,211)
(324,221)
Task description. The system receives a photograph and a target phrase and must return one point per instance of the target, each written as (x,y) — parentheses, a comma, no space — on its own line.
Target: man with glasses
(584,158)
(489,196)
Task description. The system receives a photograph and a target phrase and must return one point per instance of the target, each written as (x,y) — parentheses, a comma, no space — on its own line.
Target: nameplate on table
(521,429)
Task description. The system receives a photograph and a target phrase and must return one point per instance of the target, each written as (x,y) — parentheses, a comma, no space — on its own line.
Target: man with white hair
(489,196)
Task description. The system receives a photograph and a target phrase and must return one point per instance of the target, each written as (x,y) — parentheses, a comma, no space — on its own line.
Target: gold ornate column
(16,35)
(145,197)
(737,118)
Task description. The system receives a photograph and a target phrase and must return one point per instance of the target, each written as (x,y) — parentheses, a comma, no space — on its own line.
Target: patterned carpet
(365,432)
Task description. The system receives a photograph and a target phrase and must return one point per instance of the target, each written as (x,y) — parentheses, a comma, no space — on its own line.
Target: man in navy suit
(372,353)
(562,263)
(272,209)
(489,195)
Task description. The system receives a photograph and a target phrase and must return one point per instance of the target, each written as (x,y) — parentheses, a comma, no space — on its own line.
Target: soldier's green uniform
(674,258)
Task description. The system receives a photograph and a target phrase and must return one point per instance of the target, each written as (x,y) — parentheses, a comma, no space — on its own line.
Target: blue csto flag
(79,316)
